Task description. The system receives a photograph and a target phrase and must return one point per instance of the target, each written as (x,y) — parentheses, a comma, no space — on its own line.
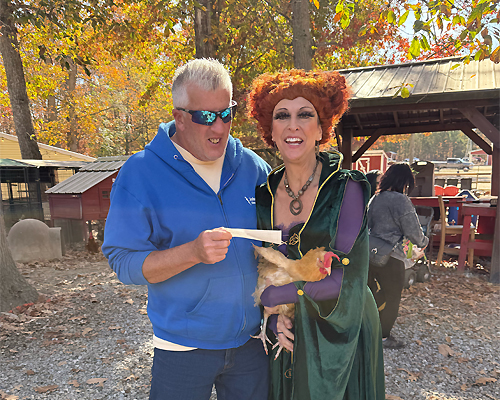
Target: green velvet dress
(338,343)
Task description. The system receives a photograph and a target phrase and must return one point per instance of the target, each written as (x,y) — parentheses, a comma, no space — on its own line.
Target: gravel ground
(90,338)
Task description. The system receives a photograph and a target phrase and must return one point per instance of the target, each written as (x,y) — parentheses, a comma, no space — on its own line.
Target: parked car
(456,163)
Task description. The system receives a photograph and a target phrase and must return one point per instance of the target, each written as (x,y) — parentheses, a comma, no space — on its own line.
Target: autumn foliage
(98,77)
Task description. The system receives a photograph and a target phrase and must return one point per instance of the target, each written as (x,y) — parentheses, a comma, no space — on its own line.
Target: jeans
(238,374)
(390,278)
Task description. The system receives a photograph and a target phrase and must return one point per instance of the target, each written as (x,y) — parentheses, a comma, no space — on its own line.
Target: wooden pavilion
(445,95)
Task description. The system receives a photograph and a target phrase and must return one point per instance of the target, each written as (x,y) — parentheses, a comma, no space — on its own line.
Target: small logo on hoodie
(250,200)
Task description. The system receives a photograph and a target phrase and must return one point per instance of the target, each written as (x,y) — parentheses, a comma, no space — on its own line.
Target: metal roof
(445,95)
(90,175)
(106,164)
(7,162)
(54,163)
(80,182)
(427,81)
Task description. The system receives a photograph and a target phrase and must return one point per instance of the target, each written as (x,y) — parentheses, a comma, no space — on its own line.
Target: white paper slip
(257,234)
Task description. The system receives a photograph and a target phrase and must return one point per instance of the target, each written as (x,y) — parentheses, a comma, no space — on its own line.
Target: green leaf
(418,26)
(403,18)
(345,21)
(391,17)
(415,47)
(424,43)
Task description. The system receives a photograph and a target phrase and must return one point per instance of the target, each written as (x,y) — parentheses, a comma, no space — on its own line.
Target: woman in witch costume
(335,349)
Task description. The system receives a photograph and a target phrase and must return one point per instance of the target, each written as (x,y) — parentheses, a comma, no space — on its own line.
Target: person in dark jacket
(166,228)
(392,217)
(373,177)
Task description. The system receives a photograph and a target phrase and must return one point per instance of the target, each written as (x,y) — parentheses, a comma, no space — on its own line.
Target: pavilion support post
(477,139)
(366,145)
(495,171)
(482,123)
(346,146)
(495,256)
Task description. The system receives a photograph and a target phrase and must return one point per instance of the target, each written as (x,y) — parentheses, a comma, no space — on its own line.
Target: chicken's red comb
(329,255)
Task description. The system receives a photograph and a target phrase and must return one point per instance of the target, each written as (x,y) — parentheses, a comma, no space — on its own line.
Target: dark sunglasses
(209,117)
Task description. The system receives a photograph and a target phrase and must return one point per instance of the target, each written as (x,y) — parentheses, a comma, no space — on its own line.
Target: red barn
(372,159)
(84,197)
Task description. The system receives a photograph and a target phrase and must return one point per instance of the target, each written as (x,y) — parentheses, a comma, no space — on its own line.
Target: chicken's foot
(262,335)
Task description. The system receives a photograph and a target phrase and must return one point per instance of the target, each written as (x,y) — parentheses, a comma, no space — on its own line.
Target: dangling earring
(275,148)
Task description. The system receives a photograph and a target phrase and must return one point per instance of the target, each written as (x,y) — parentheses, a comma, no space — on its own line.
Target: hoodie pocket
(218,315)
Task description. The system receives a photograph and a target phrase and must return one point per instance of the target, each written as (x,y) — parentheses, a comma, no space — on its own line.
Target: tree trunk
(14,289)
(301,39)
(411,156)
(203,30)
(51,108)
(72,136)
(16,84)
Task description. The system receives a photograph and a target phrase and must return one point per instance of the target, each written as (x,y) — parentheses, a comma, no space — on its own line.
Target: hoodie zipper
(219,195)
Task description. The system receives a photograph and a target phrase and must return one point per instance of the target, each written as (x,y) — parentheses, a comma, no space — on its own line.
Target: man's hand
(211,246)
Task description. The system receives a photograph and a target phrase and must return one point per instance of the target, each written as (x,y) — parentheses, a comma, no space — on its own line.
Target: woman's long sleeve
(350,221)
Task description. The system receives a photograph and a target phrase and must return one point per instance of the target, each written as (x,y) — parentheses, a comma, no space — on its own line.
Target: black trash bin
(424,179)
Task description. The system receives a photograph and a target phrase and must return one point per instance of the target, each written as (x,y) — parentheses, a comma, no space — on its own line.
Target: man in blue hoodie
(165,229)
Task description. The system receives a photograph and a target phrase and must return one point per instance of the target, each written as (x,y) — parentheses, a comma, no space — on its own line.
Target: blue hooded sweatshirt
(158,201)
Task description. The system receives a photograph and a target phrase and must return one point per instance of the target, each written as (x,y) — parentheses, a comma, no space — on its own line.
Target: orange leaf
(495,55)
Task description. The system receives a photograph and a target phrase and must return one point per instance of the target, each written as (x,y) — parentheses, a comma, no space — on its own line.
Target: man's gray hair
(206,73)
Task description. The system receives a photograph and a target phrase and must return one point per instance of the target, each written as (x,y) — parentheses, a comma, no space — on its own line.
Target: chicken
(275,269)
(92,246)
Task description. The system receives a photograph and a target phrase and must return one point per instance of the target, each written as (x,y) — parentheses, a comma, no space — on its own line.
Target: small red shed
(372,159)
(85,195)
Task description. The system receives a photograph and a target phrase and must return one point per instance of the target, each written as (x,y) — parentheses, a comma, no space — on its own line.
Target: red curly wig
(326,90)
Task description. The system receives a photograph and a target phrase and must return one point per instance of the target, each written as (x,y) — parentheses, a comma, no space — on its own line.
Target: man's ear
(179,120)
